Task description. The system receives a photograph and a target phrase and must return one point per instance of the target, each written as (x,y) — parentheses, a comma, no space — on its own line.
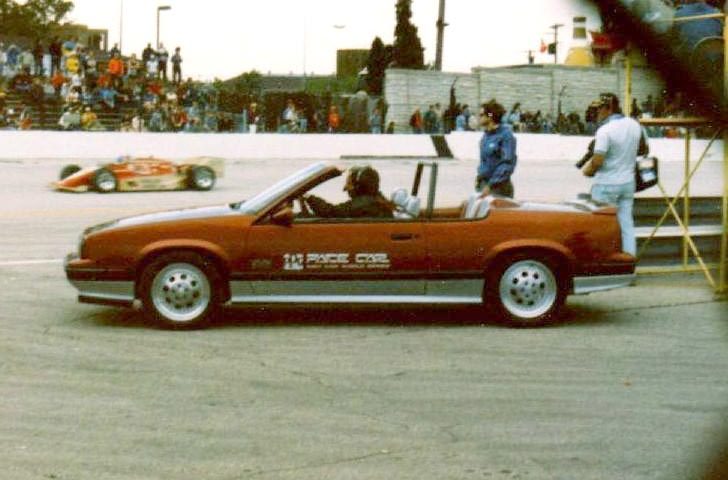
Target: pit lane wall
(17,145)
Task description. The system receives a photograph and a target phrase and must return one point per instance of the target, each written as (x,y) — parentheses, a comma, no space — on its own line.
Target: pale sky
(223,38)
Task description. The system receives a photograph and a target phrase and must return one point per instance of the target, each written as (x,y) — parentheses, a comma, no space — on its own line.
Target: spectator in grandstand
(25,117)
(55,51)
(162,57)
(4,117)
(151,66)
(90,65)
(70,119)
(125,125)
(333,120)
(460,121)
(547,126)
(108,97)
(116,70)
(156,121)
(115,50)
(177,66)
(3,59)
(147,54)
(438,118)
(27,63)
(415,121)
(21,82)
(179,118)
(133,66)
(289,118)
(430,120)
(38,58)
(375,121)
(90,121)
(253,117)
(12,60)
(514,117)
(137,122)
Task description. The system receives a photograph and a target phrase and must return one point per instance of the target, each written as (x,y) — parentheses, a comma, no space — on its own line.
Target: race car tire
(104,181)
(68,170)
(201,178)
(180,290)
(526,290)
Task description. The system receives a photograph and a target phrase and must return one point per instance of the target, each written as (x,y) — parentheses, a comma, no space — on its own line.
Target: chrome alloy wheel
(528,289)
(204,178)
(105,181)
(180,292)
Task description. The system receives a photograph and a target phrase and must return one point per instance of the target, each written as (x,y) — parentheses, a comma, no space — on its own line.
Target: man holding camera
(616,146)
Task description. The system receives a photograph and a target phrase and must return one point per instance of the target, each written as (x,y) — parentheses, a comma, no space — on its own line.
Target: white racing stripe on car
(15,263)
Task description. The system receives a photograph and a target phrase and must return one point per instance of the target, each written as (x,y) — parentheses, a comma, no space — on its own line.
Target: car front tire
(201,178)
(68,170)
(526,291)
(180,291)
(104,181)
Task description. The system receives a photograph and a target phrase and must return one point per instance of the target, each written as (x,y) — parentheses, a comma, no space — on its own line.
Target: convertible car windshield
(257,203)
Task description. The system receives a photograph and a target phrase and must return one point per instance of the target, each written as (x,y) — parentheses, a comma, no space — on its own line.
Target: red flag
(543,47)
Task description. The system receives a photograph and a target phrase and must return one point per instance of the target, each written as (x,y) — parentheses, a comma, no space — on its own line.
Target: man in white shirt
(616,147)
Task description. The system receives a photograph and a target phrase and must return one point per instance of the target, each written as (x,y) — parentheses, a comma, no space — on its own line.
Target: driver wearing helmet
(362,185)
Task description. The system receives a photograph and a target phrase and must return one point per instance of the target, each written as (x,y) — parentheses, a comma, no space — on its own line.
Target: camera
(589,153)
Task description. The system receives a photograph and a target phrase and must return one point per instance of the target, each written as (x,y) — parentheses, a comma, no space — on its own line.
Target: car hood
(167,216)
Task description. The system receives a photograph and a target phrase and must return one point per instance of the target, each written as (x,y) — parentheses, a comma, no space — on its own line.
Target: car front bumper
(99,285)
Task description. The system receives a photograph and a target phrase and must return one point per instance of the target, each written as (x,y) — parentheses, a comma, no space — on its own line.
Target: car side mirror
(283,217)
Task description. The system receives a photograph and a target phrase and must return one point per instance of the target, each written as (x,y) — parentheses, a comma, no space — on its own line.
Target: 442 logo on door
(293,261)
(335,261)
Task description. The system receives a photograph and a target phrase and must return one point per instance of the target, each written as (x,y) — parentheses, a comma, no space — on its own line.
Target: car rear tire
(201,178)
(180,290)
(526,291)
(104,181)
(68,170)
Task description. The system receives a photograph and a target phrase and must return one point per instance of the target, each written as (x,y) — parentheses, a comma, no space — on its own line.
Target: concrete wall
(536,87)
(464,145)
(110,145)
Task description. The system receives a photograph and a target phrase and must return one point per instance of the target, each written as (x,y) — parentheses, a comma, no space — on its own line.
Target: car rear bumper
(99,285)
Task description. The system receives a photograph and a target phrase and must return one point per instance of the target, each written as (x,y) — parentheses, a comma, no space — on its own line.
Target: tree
(379,58)
(407,51)
(32,18)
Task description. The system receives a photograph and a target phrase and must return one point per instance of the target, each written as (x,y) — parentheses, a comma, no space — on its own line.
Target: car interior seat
(412,206)
(405,205)
(477,206)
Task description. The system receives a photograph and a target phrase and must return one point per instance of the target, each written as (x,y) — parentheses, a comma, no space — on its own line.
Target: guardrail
(666,246)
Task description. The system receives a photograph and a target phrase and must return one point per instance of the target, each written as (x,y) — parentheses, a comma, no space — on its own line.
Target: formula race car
(519,259)
(137,174)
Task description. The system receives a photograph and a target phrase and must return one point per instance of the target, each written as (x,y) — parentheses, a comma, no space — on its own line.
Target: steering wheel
(305,209)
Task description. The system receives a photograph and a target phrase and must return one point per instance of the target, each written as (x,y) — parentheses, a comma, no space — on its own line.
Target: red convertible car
(138,174)
(519,259)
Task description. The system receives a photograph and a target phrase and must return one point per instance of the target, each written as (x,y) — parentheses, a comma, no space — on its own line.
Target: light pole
(555,27)
(440,36)
(339,27)
(121,23)
(159,9)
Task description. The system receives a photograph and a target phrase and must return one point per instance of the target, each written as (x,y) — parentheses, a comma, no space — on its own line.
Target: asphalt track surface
(631,384)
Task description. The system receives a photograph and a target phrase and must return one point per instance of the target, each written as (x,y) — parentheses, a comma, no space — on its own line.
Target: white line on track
(13,263)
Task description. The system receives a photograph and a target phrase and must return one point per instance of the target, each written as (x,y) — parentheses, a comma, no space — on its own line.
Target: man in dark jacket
(362,185)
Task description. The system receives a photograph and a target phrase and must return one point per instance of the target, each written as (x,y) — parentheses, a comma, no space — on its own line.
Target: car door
(456,251)
(336,259)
